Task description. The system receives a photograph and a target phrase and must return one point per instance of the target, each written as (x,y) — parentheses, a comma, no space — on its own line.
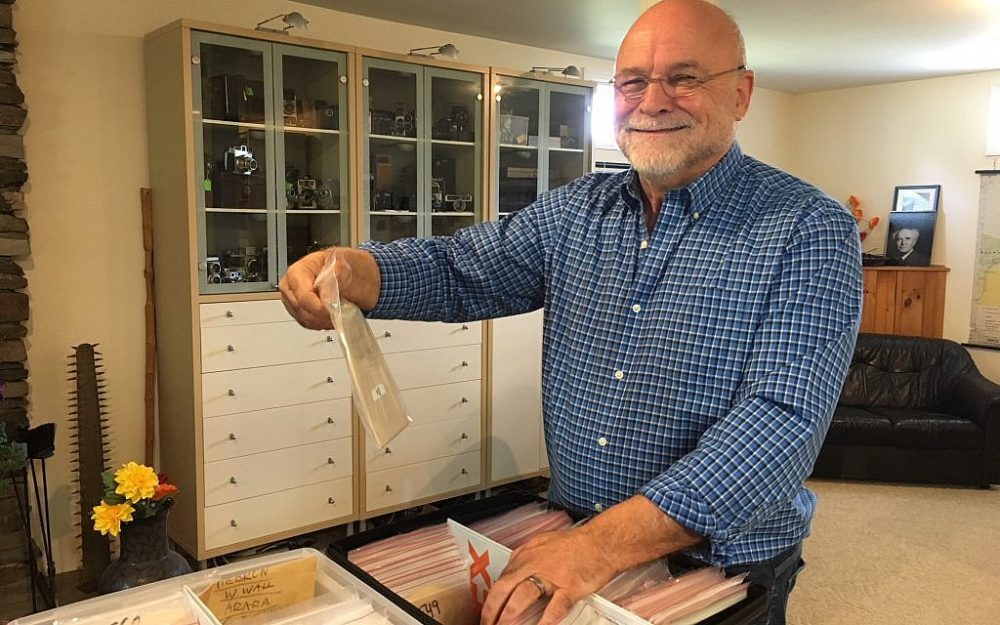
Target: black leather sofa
(914,410)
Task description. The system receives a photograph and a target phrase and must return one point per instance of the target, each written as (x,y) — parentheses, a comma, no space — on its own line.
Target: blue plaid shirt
(698,365)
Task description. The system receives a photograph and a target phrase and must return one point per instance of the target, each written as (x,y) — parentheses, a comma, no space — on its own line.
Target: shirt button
(636,308)
(598,507)
(696,215)
(602,441)
(643,245)
(619,374)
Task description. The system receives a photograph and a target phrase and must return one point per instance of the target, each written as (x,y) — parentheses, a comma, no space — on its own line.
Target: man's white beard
(661,158)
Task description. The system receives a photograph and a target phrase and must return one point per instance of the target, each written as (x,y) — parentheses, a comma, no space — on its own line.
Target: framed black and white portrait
(911,237)
(916,198)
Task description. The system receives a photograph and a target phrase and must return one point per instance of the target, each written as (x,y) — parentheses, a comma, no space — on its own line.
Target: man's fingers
(559,606)
(525,594)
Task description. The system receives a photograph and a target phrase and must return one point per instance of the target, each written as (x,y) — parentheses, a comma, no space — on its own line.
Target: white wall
(868,140)
(80,66)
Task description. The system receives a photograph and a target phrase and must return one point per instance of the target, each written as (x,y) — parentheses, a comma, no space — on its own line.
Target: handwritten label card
(262,589)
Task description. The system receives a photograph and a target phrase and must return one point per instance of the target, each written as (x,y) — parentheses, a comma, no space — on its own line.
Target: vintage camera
(239,160)
(437,194)
(403,123)
(458,203)
(381,122)
(327,115)
(302,194)
(213,270)
(290,107)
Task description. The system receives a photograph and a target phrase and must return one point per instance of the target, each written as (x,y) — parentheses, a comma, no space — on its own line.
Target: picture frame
(916,198)
(911,237)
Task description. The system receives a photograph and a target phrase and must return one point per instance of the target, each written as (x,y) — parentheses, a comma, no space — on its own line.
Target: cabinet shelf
(448,142)
(569,150)
(518,146)
(312,211)
(310,131)
(463,214)
(235,210)
(223,122)
(393,138)
(394,213)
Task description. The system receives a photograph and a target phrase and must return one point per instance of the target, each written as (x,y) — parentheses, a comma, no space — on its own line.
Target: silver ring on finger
(539,584)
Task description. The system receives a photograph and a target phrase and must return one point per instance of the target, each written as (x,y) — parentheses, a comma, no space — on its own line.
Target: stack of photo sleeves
(426,568)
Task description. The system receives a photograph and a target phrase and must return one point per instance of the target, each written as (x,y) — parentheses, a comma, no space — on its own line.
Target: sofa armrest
(977,398)
(974,397)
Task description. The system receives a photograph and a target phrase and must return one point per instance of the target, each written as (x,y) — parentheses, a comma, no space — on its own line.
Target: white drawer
(226,392)
(249,519)
(418,443)
(268,472)
(440,403)
(434,367)
(402,485)
(245,433)
(405,336)
(238,313)
(261,344)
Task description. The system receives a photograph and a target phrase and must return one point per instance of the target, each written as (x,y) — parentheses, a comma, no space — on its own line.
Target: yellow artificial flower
(135,482)
(108,518)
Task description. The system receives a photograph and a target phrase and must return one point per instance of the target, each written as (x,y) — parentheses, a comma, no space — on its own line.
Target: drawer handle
(465,327)
(331,421)
(230,348)
(331,500)
(232,523)
(464,472)
(232,393)
(465,400)
(388,451)
(464,435)
(331,461)
(388,488)
(232,436)
(329,339)
(465,364)
(387,334)
(232,480)
(329,380)
(229,314)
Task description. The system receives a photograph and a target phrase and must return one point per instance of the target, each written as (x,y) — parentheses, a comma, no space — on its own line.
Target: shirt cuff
(393,294)
(686,506)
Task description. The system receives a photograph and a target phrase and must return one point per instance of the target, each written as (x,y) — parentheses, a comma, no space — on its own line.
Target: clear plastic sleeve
(376,397)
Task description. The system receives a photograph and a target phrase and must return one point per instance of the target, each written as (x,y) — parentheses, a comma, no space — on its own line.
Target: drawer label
(262,589)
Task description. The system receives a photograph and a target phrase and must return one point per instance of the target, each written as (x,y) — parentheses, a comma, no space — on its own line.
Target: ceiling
(796,46)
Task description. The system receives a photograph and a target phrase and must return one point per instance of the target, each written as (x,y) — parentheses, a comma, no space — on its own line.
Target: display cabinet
(250,168)
(541,140)
(423,147)
(271,151)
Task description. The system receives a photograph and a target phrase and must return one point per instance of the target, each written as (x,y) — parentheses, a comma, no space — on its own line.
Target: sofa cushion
(903,372)
(931,430)
(858,426)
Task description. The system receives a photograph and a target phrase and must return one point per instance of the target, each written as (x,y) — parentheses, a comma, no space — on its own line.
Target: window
(602,122)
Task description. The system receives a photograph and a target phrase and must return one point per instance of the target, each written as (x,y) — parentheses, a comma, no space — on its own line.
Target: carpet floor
(886,554)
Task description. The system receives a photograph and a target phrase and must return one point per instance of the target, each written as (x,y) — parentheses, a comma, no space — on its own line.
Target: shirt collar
(703,191)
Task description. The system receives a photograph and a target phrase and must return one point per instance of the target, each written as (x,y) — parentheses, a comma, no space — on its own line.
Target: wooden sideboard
(908,301)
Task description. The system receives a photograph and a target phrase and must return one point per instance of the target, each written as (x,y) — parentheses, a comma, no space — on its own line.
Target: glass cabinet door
(312,150)
(542,138)
(454,151)
(232,79)
(393,100)
(568,138)
(518,106)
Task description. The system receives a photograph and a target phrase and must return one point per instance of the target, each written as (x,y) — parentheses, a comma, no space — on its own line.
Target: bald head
(688,22)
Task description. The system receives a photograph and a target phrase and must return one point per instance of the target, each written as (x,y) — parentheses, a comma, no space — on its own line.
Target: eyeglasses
(676,86)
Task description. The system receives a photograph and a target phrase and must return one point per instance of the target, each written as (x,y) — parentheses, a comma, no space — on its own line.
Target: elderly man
(904,242)
(700,313)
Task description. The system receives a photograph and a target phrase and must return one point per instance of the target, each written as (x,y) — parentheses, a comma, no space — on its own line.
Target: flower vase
(144,556)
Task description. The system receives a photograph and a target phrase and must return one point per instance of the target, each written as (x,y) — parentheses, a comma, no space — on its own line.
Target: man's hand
(566,566)
(570,564)
(357,275)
